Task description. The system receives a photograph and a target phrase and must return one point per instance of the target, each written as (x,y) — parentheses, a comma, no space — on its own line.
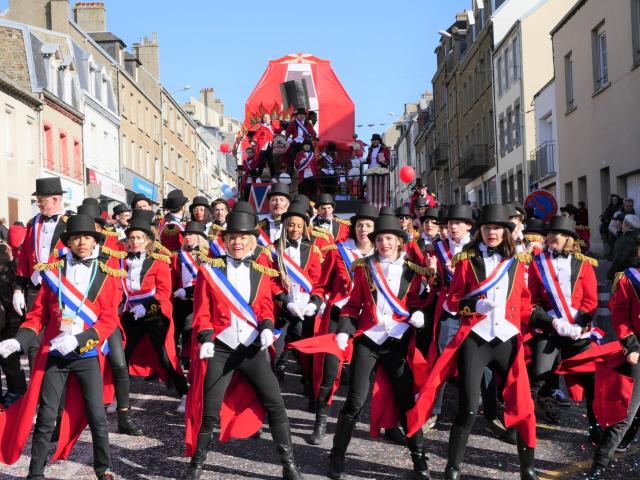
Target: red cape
(612,391)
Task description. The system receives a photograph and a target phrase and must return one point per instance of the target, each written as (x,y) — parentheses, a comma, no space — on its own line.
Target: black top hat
(460,212)
(387,224)
(496,214)
(280,188)
(194,227)
(325,199)
(199,202)
(91,201)
(517,210)
(421,182)
(141,196)
(564,225)
(243,206)
(81,224)
(120,208)
(147,216)
(534,225)
(419,203)
(402,212)
(432,213)
(442,215)
(175,199)
(302,198)
(241,222)
(297,209)
(376,136)
(140,223)
(92,211)
(331,147)
(301,110)
(365,212)
(387,211)
(48,186)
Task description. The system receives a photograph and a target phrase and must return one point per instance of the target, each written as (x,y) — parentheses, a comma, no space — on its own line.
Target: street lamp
(183,89)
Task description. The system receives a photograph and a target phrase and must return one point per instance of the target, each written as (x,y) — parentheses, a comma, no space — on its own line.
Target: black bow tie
(560,254)
(87,262)
(293,243)
(490,251)
(277,223)
(238,262)
(324,222)
(132,255)
(220,224)
(52,218)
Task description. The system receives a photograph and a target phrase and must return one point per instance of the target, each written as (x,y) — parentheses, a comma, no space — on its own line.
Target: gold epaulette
(216,227)
(524,257)
(342,220)
(163,258)
(317,233)
(616,279)
(170,230)
(316,250)
(582,257)
(265,250)
(533,237)
(424,271)
(114,272)
(463,255)
(329,247)
(109,233)
(429,248)
(161,249)
(42,267)
(271,272)
(583,227)
(360,262)
(216,262)
(64,218)
(113,253)
(263,223)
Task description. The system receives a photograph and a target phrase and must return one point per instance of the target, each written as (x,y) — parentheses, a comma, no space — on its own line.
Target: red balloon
(225,148)
(407,174)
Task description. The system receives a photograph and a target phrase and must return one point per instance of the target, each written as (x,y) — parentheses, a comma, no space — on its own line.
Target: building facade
(543,159)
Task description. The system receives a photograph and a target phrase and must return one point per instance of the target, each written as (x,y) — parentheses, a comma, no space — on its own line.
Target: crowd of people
(219,303)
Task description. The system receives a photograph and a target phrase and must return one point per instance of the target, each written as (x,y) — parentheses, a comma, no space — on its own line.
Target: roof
(568,16)
(128,56)
(106,37)
(7,85)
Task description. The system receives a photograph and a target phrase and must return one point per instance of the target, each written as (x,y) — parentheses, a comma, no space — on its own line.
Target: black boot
(197,461)
(416,447)
(458,439)
(527,461)
(630,435)
(282,438)
(320,427)
(126,426)
(341,440)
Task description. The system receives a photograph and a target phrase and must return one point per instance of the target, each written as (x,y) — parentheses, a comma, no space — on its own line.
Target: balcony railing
(542,162)
(441,155)
(475,162)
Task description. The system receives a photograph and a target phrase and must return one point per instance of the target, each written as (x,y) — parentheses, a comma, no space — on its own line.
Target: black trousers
(474,356)
(156,327)
(255,365)
(293,328)
(118,362)
(182,321)
(30,295)
(331,363)
(57,370)
(16,382)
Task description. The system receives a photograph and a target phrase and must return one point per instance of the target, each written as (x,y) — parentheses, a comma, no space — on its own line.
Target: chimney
(91,16)
(148,53)
(59,15)
(31,12)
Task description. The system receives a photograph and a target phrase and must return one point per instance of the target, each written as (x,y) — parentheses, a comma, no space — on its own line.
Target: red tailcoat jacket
(17,421)
(292,130)
(519,411)
(383,150)
(301,159)
(170,236)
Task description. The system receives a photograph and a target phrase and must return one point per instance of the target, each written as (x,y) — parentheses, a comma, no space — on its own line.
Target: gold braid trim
(424,271)
(114,272)
(41,267)
(265,250)
(216,227)
(113,253)
(171,230)
(342,220)
(327,248)
(90,345)
(213,262)
(109,233)
(582,257)
(464,255)
(429,248)
(533,237)
(582,227)
(159,248)
(64,218)
(163,258)
(316,233)
(271,272)
(317,250)
(524,257)
(616,280)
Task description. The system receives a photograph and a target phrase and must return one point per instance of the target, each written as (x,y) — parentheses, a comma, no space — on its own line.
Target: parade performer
(383,306)
(429,234)
(564,291)
(299,130)
(172,225)
(307,168)
(422,192)
(220,210)
(330,223)
(76,313)
(625,318)
(378,159)
(533,235)
(141,202)
(121,214)
(279,199)
(379,154)
(413,251)
(147,313)
(518,216)
(233,326)
(489,295)
(264,138)
(200,211)
(419,207)
(336,283)
(327,166)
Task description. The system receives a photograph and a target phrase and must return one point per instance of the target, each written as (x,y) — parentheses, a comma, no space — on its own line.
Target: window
(516,124)
(156,169)
(10,131)
(165,154)
(512,189)
(30,141)
(172,157)
(568,82)
(499,77)
(507,71)
(125,148)
(635,29)
(64,153)
(508,140)
(123,107)
(49,160)
(516,59)
(77,159)
(180,166)
(134,151)
(503,188)
(141,166)
(599,42)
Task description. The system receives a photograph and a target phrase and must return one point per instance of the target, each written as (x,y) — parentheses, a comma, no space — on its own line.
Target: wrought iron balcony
(475,161)
(542,162)
(441,155)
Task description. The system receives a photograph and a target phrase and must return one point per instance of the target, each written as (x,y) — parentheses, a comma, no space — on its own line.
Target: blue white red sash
(301,126)
(264,240)
(493,279)
(295,272)
(444,255)
(552,286)
(216,248)
(305,162)
(190,264)
(634,277)
(172,222)
(383,287)
(137,296)
(348,256)
(229,295)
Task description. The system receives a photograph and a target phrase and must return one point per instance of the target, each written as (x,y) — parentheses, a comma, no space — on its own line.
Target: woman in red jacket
(233,325)
(381,310)
(489,293)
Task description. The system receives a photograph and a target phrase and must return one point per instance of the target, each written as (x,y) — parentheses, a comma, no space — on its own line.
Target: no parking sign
(543,204)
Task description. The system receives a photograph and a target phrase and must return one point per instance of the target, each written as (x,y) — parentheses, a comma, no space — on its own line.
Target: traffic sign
(543,204)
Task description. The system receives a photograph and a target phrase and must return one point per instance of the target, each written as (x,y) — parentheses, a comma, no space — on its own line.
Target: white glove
(138,311)
(417,319)
(295,309)
(342,339)
(7,347)
(310,310)
(565,329)
(484,306)
(206,350)
(180,293)
(19,305)
(64,343)
(266,339)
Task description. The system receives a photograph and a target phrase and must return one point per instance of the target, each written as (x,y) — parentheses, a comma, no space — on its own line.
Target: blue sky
(382,51)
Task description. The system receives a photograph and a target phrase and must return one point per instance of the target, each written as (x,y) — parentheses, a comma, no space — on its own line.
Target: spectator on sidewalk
(605,219)
(4,231)
(625,248)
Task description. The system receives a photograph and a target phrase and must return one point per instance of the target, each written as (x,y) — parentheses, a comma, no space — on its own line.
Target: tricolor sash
(383,287)
(294,270)
(229,295)
(634,277)
(348,256)
(306,162)
(305,132)
(493,279)
(216,248)
(552,286)
(190,264)
(444,255)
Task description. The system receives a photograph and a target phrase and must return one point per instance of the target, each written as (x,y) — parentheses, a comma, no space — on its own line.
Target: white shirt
(296,294)
(495,324)
(44,248)
(562,267)
(374,157)
(274,230)
(239,332)
(79,275)
(134,272)
(350,244)
(387,326)
(327,226)
(457,247)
